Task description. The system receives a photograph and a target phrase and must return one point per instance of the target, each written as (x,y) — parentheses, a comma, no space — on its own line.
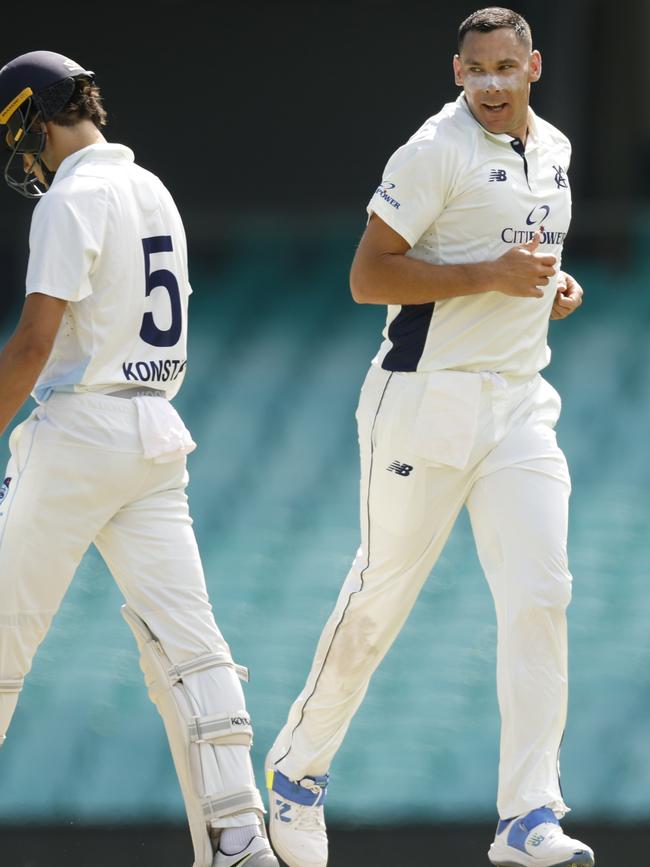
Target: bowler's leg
(408,509)
(519,518)
(519,515)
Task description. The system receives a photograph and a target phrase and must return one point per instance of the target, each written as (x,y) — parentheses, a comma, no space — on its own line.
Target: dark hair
(85,103)
(494,18)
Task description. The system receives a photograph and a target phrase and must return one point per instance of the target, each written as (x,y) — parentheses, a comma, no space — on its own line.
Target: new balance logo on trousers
(400,469)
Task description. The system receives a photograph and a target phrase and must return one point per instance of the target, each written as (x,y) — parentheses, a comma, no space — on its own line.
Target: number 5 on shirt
(149,331)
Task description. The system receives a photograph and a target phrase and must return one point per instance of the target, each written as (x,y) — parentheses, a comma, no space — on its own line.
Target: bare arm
(25,353)
(382,274)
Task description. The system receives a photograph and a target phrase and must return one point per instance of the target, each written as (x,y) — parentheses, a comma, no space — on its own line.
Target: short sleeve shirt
(107,237)
(460,194)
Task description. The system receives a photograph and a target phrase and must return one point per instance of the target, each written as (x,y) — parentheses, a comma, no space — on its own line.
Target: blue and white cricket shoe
(296,819)
(537,840)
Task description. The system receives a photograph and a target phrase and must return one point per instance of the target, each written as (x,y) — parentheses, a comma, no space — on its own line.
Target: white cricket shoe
(257,854)
(297,821)
(537,840)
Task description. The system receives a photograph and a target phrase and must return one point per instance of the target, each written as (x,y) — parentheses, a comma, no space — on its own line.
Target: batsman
(102,345)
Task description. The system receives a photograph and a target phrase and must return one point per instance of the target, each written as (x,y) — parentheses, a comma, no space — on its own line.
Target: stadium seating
(277,354)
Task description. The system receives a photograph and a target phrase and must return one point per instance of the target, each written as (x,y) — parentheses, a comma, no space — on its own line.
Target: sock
(234,840)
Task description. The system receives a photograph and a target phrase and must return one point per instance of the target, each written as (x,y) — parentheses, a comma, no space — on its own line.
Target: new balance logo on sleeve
(400,469)
(498,175)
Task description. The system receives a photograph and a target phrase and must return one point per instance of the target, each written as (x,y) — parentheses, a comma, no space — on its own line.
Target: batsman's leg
(194,683)
(48,517)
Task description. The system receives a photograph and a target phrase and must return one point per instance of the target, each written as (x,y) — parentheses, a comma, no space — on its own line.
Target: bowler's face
(495,69)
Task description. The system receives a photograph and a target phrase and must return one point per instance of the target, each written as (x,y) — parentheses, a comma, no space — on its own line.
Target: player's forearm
(20,366)
(397,279)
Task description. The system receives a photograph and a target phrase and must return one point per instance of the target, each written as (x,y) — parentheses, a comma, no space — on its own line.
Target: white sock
(234,840)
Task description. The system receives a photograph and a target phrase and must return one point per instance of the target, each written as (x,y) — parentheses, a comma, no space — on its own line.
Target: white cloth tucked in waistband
(444,428)
(163,435)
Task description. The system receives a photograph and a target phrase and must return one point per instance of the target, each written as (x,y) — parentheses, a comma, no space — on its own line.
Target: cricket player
(463,244)
(101,344)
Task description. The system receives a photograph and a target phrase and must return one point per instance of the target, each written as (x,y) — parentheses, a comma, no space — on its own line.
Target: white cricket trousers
(431,443)
(76,476)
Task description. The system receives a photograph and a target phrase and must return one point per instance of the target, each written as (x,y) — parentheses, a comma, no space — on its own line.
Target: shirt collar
(104,151)
(504,138)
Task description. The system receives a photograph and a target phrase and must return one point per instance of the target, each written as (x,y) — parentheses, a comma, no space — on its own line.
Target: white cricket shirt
(108,238)
(457,194)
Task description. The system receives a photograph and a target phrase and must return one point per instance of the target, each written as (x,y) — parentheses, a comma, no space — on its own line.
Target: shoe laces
(308,818)
(313,787)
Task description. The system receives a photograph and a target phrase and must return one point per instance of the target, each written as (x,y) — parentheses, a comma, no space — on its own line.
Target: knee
(545,584)
(553,591)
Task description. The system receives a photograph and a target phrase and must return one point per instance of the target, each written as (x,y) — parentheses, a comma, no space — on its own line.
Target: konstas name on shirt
(166,370)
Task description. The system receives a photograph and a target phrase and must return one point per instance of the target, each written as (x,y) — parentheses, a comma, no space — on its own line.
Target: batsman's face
(496,69)
(35,164)
(31,164)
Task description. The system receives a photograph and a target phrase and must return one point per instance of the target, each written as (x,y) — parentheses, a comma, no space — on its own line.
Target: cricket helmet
(33,88)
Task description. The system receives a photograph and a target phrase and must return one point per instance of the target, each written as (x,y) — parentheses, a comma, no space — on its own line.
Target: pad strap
(11,685)
(8,687)
(224,729)
(202,663)
(240,801)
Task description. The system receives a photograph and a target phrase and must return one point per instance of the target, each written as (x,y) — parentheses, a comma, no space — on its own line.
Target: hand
(568,297)
(522,271)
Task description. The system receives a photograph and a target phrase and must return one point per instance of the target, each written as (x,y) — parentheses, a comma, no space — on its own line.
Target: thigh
(407,494)
(57,496)
(519,512)
(408,502)
(150,548)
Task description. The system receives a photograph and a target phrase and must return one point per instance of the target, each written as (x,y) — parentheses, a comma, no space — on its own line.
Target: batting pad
(208,736)
(9,691)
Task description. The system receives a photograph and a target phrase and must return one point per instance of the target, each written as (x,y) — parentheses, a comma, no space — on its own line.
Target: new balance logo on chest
(498,175)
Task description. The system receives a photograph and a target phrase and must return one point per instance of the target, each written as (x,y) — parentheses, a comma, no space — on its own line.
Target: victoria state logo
(561,178)
(4,489)
(383,190)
